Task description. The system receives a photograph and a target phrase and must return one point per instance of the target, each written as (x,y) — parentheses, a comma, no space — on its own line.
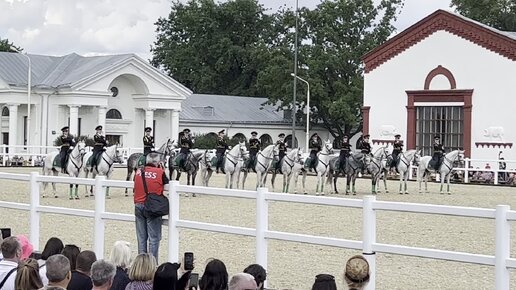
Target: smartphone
(188,260)
(194,281)
(6,232)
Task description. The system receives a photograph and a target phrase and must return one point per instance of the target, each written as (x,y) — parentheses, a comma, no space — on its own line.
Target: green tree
(500,14)
(7,46)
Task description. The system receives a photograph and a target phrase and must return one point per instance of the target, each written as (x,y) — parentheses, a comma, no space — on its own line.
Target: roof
(500,42)
(219,108)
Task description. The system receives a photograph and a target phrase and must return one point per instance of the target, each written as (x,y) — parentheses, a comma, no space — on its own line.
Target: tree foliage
(237,48)
(7,46)
(500,14)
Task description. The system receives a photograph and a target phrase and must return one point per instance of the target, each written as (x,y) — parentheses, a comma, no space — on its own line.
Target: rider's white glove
(71,147)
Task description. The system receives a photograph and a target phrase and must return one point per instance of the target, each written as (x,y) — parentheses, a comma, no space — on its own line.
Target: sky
(96,27)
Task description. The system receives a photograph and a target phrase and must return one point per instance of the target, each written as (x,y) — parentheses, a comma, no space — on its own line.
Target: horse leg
(178,175)
(210,172)
(348,181)
(442,182)
(304,182)
(448,184)
(406,176)
(353,180)
(273,178)
(373,184)
(54,190)
(322,184)
(335,177)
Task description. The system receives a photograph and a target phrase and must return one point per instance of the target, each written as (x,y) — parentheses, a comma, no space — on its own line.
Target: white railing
(501,261)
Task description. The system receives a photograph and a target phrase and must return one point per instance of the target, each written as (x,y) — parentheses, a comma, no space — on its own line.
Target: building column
(101,119)
(13,126)
(74,119)
(175,126)
(149,119)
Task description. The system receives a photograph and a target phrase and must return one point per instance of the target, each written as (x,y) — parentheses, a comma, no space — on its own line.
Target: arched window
(266,140)
(113,114)
(288,140)
(239,137)
(5,112)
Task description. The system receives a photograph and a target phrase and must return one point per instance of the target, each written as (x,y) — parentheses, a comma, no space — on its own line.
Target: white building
(445,75)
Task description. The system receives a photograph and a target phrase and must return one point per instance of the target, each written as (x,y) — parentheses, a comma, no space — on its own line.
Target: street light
(28,100)
(307,109)
(294,103)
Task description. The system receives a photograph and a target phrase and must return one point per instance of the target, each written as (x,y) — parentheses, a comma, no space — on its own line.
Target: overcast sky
(91,27)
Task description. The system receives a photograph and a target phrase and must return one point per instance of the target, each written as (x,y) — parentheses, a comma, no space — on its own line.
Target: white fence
(502,215)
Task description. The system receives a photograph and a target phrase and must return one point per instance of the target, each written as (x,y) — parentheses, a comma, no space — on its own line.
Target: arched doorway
(266,140)
(288,140)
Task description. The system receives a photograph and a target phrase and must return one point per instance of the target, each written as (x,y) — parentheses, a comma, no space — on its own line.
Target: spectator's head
(121,254)
(215,276)
(242,281)
(11,248)
(165,277)
(26,246)
(58,270)
(356,273)
(52,247)
(153,159)
(259,274)
(102,273)
(184,281)
(324,282)
(143,268)
(84,261)
(71,252)
(27,275)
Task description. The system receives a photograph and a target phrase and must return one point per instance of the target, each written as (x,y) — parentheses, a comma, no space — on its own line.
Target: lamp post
(28,101)
(307,109)
(294,105)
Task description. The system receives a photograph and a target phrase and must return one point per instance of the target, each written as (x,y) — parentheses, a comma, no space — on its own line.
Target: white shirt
(43,271)
(5,267)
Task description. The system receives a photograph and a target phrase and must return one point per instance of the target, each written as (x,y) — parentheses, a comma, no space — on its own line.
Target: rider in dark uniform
(67,142)
(222,146)
(315,147)
(99,147)
(282,150)
(186,144)
(397,149)
(438,152)
(254,147)
(364,145)
(148,141)
(345,150)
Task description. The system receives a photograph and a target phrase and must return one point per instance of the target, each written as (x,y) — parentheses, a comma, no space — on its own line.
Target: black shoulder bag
(156,205)
(7,277)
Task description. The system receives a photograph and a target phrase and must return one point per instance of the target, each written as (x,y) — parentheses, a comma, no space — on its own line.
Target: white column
(13,126)
(102,117)
(149,118)
(175,125)
(74,120)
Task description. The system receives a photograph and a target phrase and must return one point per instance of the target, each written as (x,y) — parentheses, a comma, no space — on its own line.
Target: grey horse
(376,167)
(191,166)
(355,164)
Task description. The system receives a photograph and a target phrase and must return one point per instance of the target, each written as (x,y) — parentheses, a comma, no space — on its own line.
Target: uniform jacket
(100,142)
(148,141)
(438,148)
(221,145)
(398,146)
(315,145)
(67,141)
(254,144)
(345,149)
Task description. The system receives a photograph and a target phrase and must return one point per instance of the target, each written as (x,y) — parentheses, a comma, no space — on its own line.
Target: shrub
(88,140)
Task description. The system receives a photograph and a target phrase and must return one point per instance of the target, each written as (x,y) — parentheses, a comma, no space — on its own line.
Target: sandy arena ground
(293,265)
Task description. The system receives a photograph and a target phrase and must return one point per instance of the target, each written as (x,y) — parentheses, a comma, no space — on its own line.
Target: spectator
(142,272)
(27,276)
(71,252)
(148,229)
(512,179)
(81,277)
(165,277)
(58,272)
(121,258)
(259,274)
(215,276)
(26,246)
(52,247)
(324,282)
(102,275)
(11,250)
(356,273)
(1,240)
(242,281)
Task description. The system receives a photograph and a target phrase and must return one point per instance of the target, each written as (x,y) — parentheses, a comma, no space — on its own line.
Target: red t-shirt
(154,177)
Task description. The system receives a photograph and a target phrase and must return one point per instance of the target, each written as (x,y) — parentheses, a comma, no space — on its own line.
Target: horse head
(81,147)
(328,147)
(243,149)
(417,158)
(209,154)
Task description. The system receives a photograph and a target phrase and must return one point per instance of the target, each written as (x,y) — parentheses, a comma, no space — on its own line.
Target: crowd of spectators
(66,267)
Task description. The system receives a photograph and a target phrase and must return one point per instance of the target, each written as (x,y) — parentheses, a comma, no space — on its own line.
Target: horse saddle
(141,160)
(92,161)
(251,162)
(57,160)
(435,163)
(310,162)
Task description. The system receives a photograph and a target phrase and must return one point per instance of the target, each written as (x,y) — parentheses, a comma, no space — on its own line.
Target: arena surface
(294,265)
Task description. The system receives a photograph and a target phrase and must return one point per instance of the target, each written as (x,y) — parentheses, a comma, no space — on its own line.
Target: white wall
(492,77)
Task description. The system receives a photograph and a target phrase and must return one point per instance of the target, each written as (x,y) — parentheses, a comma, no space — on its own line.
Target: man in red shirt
(148,228)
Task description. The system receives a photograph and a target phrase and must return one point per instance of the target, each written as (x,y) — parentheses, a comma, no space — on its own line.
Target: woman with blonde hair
(121,257)
(356,273)
(27,276)
(142,272)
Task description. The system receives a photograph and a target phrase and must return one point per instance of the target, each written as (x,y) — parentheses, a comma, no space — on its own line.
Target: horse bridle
(73,157)
(266,158)
(235,157)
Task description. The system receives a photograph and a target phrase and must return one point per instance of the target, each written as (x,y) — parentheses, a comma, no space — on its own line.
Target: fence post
(262,226)
(100,209)
(34,213)
(369,238)
(466,170)
(503,251)
(173,218)
(495,172)
(4,155)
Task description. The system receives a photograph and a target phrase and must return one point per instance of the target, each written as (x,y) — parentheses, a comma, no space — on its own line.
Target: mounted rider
(148,141)
(315,146)
(254,147)
(99,147)
(364,145)
(186,144)
(67,144)
(345,151)
(222,146)
(282,150)
(437,157)
(397,149)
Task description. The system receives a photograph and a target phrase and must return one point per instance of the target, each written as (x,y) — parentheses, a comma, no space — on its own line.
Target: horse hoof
(386,191)
(406,192)
(126,195)
(442,192)
(305,192)
(71,198)
(194,195)
(317,194)
(401,192)
(295,192)
(449,193)
(77,197)
(186,194)
(322,193)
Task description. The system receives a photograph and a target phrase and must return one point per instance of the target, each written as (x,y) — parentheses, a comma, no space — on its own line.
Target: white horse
(264,160)
(73,167)
(205,168)
(403,167)
(322,167)
(104,166)
(376,167)
(290,165)
(445,170)
(233,162)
